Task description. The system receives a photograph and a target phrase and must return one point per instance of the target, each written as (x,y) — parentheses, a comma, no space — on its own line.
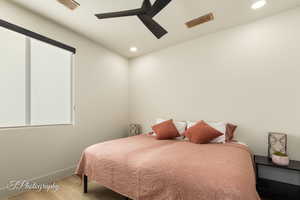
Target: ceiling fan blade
(153,26)
(146,5)
(121,13)
(157,7)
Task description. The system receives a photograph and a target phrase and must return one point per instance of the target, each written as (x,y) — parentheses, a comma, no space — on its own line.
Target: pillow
(165,130)
(180,126)
(202,133)
(226,128)
(230,129)
(220,126)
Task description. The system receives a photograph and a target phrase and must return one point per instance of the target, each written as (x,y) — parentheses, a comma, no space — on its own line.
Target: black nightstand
(274,189)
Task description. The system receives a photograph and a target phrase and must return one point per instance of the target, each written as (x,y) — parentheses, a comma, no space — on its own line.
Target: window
(12,78)
(35,80)
(50,84)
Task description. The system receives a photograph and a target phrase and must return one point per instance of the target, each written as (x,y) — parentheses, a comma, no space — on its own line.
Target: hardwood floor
(71,189)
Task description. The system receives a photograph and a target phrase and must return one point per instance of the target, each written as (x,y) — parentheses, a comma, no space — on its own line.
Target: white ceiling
(119,34)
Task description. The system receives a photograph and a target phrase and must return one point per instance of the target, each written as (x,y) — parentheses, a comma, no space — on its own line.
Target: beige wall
(101,90)
(248,75)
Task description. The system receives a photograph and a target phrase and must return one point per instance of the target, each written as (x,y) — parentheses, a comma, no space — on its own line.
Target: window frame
(28,35)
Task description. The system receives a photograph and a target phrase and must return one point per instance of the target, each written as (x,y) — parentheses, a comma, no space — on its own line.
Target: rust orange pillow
(202,133)
(165,130)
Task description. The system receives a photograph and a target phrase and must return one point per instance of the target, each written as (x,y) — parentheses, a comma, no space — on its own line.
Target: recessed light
(258,4)
(133,49)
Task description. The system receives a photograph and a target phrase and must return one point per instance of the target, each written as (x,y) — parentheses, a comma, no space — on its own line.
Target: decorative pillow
(220,126)
(226,128)
(180,126)
(230,129)
(165,130)
(202,133)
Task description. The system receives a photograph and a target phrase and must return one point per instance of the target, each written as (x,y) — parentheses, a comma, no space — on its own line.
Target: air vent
(200,20)
(71,4)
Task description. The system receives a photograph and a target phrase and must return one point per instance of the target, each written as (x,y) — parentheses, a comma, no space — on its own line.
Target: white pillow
(180,126)
(220,126)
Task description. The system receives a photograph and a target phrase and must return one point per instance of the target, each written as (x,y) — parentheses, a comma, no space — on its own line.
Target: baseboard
(44,179)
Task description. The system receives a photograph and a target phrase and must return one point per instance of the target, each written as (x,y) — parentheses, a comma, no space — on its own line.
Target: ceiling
(119,34)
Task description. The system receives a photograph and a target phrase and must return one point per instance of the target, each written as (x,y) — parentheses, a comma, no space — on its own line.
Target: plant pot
(280,160)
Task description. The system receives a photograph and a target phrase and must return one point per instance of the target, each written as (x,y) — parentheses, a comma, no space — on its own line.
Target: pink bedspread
(143,168)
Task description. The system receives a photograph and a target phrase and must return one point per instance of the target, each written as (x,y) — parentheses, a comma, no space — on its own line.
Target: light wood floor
(71,189)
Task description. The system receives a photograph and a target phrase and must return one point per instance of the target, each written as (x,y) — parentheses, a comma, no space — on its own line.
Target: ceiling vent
(200,20)
(71,4)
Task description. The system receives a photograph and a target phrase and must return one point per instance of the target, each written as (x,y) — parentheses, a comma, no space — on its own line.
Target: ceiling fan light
(256,4)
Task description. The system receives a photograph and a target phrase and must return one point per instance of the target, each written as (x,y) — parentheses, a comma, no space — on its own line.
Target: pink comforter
(144,168)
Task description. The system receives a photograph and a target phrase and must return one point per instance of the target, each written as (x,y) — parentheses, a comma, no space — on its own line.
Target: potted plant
(280,158)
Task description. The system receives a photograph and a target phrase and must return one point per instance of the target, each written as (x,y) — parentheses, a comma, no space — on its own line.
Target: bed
(143,168)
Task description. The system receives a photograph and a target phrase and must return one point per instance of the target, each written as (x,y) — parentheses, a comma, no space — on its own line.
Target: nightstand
(275,189)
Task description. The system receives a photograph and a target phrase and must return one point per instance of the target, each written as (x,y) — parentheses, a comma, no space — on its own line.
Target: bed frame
(85,186)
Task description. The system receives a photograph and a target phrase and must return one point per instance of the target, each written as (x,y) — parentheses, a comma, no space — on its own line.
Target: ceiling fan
(145,14)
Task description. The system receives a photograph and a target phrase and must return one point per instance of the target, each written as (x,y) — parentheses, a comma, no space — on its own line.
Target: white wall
(101,95)
(248,75)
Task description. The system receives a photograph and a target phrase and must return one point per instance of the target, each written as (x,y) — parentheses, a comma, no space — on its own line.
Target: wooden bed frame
(85,186)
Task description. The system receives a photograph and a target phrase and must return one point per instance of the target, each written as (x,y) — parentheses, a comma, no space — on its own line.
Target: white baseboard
(44,179)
